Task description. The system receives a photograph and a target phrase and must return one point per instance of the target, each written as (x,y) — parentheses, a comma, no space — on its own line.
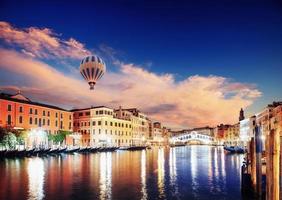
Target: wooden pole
(275,164)
(253,163)
(280,193)
(258,142)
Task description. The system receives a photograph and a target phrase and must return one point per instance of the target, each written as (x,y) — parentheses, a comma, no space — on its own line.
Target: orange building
(19,112)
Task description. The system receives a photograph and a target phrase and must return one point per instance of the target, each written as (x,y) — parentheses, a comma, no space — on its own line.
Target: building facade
(19,112)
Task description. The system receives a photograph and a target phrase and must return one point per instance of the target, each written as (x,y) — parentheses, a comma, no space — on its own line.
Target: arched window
(21,119)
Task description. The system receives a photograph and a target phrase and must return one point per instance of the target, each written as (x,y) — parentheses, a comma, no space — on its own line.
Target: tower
(241,116)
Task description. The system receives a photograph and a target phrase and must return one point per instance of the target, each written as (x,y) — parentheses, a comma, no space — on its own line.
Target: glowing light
(143,175)
(106,175)
(161,172)
(35,170)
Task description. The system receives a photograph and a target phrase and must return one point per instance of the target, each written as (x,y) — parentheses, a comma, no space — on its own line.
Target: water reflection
(161,172)
(143,175)
(106,175)
(173,172)
(191,172)
(35,169)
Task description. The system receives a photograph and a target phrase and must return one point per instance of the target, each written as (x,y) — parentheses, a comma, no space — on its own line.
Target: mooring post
(275,165)
(258,142)
(253,163)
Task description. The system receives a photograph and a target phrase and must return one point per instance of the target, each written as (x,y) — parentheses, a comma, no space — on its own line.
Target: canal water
(190,172)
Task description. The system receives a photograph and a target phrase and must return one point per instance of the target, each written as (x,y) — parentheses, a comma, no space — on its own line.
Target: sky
(184,63)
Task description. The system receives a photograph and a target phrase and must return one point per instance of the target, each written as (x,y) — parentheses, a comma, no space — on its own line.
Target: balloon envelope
(92,68)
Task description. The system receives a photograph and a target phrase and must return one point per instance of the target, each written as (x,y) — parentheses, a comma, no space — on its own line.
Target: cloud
(42,42)
(195,101)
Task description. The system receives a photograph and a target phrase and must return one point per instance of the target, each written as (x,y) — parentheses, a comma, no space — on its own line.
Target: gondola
(21,153)
(136,148)
(2,153)
(233,149)
(72,150)
(10,153)
(53,151)
(94,149)
(62,150)
(29,152)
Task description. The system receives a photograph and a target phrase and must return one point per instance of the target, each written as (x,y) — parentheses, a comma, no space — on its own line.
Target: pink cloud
(195,101)
(42,43)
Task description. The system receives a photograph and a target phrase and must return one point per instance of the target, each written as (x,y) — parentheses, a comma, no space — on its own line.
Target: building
(232,138)
(103,126)
(19,112)
(139,122)
(247,127)
(220,133)
(100,126)
(157,134)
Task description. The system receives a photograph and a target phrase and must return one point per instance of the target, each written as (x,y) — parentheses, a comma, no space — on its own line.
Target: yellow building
(232,137)
(103,126)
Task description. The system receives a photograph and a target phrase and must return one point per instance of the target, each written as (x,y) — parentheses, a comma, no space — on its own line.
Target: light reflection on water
(105,175)
(35,168)
(143,175)
(191,172)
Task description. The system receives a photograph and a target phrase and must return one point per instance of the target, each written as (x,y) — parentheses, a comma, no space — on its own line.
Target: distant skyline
(185,64)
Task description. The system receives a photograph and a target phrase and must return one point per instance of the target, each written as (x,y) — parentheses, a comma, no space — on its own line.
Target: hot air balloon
(92,68)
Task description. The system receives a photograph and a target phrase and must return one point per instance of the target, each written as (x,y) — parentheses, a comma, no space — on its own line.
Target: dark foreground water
(191,172)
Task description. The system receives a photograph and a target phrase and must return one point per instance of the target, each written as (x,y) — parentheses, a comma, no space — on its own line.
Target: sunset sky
(184,64)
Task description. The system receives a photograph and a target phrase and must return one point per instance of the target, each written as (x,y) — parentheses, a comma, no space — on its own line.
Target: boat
(2,153)
(94,149)
(234,149)
(136,148)
(72,150)
(53,151)
(29,152)
(61,150)
(10,153)
(21,153)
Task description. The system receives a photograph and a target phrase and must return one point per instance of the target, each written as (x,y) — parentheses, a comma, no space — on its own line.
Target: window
(39,124)
(21,109)
(99,131)
(115,124)
(48,113)
(35,112)
(69,125)
(61,125)
(21,119)
(93,123)
(97,112)
(9,107)
(35,121)
(30,111)
(30,120)
(48,122)
(43,112)
(56,123)
(69,117)
(43,122)
(101,112)
(111,123)
(80,114)
(56,115)
(87,113)
(93,131)
(9,120)
(106,123)
(61,115)
(99,123)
